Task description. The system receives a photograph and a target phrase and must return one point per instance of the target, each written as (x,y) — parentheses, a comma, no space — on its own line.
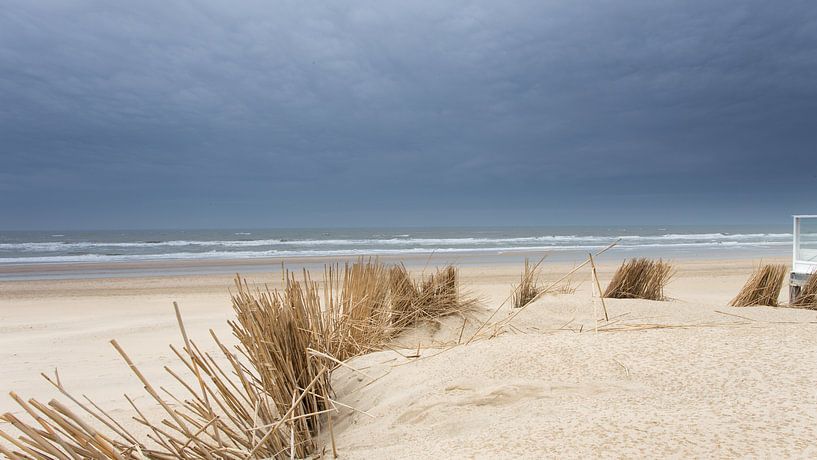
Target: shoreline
(173,287)
(189,267)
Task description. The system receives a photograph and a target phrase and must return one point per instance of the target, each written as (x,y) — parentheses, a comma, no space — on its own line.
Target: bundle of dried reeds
(807,298)
(268,400)
(527,289)
(404,297)
(640,279)
(440,294)
(434,297)
(762,288)
(567,287)
(276,331)
(357,308)
(236,412)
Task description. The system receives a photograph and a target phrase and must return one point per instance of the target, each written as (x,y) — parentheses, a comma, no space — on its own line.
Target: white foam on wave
(57,246)
(364,251)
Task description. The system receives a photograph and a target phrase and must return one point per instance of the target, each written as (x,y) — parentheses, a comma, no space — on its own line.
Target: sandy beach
(686,377)
(294,230)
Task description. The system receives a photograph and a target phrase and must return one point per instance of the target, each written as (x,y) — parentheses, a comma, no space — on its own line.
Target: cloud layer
(173,114)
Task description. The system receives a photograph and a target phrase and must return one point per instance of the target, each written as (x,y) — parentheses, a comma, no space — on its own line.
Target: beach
(408,230)
(689,376)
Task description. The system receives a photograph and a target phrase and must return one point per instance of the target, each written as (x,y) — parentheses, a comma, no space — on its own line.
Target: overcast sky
(167,114)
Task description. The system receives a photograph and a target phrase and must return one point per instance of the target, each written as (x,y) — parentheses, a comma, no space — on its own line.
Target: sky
(177,114)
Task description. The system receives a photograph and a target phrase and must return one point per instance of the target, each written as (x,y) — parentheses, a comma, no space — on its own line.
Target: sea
(109,246)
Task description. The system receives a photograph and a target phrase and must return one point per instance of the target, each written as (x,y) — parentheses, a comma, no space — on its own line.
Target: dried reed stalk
(405,293)
(440,295)
(507,320)
(275,329)
(527,289)
(640,279)
(359,310)
(436,296)
(762,288)
(267,401)
(807,298)
(566,287)
(222,415)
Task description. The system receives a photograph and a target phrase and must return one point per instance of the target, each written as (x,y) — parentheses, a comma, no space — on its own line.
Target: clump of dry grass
(404,297)
(762,288)
(527,289)
(276,330)
(640,279)
(356,300)
(807,298)
(267,401)
(567,287)
(440,294)
(436,296)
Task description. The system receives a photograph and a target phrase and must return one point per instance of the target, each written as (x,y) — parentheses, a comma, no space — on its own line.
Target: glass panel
(807,247)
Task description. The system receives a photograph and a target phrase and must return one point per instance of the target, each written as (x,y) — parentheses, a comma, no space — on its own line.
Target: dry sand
(712,384)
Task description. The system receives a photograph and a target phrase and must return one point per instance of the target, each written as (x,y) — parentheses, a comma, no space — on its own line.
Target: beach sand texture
(686,377)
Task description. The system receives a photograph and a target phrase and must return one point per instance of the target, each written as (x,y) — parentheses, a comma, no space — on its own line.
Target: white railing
(804,254)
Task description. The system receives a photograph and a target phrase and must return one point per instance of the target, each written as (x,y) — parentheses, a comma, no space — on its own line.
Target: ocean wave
(273,253)
(60,246)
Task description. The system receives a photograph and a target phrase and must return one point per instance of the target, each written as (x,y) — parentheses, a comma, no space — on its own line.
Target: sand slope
(706,392)
(721,386)
(713,384)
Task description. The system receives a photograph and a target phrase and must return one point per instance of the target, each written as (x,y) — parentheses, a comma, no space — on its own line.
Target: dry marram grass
(527,289)
(436,296)
(762,288)
(640,279)
(567,287)
(807,298)
(268,397)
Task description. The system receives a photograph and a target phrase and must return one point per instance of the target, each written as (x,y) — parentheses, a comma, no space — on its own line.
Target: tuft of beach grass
(527,289)
(640,279)
(762,287)
(807,298)
(268,397)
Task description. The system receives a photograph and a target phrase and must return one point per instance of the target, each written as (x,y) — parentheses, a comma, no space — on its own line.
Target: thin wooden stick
(332,436)
(510,296)
(17,443)
(598,285)
(285,416)
(152,392)
(520,309)
(102,441)
(338,362)
(8,453)
(196,371)
(292,434)
(45,426)
(116,429)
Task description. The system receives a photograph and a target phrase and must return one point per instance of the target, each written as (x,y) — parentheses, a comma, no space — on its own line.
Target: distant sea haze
(139,245)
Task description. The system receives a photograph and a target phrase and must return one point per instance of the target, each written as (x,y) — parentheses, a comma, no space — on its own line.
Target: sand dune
(722,391)
(712,381)
(708,384)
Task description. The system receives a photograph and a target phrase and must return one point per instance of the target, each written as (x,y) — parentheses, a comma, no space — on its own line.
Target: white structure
(804,252)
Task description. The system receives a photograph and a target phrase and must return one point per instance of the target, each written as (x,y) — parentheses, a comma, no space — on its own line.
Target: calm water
(140,245)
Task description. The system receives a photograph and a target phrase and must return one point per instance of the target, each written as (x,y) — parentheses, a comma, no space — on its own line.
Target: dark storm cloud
(287,113)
